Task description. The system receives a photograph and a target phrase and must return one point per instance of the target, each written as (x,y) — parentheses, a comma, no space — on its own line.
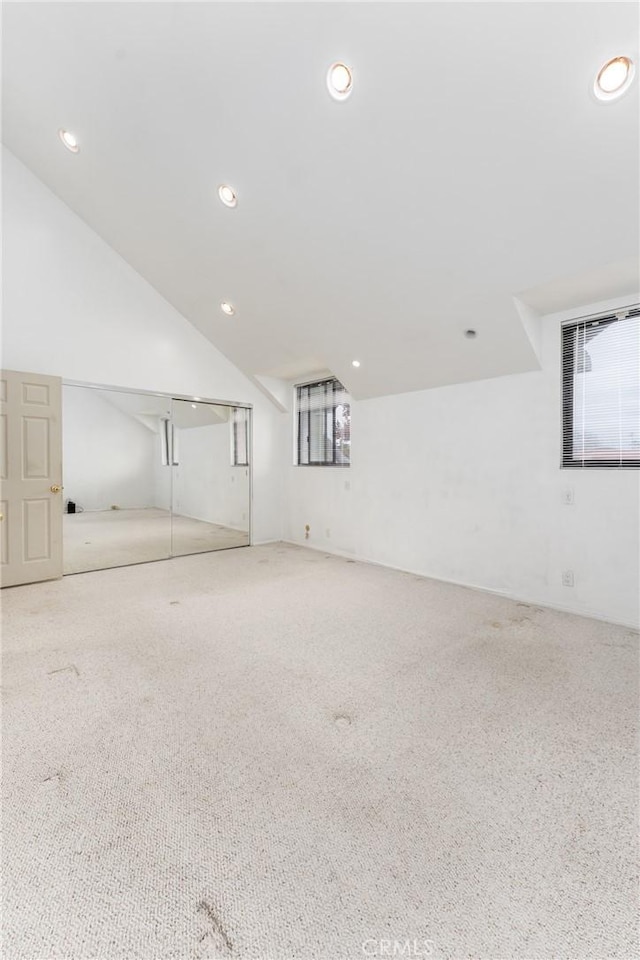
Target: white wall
(463,483)
(205,485)
(108,457)
(73,308)
(460,483)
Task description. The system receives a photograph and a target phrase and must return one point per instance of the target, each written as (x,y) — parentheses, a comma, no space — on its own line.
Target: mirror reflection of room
(147,477)
(210,477)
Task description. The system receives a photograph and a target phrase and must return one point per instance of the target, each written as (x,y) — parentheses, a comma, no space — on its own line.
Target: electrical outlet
(567,578)
(327,533)
(568,496)
(347,484)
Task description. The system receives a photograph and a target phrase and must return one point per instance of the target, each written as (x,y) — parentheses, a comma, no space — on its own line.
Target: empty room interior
(320,501)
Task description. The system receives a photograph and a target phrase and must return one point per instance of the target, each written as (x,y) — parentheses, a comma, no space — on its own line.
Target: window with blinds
(324,424)
(601,391)
(240,437)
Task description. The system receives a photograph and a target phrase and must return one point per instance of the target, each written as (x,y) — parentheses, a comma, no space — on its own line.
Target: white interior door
(30,478)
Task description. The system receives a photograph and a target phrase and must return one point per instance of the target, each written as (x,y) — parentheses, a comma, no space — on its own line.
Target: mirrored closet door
(210,477)
(148,477)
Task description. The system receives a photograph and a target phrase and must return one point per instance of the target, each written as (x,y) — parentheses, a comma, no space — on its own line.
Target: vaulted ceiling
(470,180)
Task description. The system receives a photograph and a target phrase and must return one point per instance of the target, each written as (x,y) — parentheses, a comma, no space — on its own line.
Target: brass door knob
(1,516)
(55,488)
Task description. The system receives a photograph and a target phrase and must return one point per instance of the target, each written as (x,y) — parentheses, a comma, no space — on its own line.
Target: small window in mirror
(240,437)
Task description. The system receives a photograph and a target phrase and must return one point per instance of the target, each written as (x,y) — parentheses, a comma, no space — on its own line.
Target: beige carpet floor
(273,753)
(96,540)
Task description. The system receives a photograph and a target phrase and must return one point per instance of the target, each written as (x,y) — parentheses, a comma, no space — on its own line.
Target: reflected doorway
(149,477)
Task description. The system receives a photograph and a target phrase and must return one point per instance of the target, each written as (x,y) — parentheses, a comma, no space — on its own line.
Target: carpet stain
(497,624)
(342,720)
(59,778)
(216,923)
(173,603)
(528,606)
(54,776)
(72,667)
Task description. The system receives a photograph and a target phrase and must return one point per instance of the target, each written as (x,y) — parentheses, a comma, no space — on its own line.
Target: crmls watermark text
(397,948)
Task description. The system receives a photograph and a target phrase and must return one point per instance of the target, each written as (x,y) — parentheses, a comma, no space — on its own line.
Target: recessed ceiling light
(355,363)
(227,308)
(339,81)
(228,195)
(70,140)
(194,405)
(614,78)
(470,334)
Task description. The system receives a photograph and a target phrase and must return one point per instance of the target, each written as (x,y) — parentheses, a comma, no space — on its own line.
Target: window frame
(337,389)
(568,461)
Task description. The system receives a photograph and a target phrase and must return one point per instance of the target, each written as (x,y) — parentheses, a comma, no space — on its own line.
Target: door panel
(36,393)
(31,478)
(36,523)
(3,445)
(4,532)
(35,448)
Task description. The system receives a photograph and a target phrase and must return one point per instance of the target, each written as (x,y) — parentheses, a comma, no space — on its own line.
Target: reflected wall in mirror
(210,506)
(147,477)
(117,505)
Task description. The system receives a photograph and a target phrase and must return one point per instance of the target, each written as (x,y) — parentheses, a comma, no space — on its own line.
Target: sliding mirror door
(209,450)
(117,478)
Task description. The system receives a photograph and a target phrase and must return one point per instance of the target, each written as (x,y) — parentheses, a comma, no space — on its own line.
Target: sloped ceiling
(470,166)
(149,409)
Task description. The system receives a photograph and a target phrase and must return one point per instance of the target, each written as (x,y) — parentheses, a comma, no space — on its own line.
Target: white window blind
(324,424)
(601,391)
